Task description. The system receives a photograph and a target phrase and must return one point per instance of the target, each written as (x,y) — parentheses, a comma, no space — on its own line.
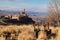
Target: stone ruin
(23,19)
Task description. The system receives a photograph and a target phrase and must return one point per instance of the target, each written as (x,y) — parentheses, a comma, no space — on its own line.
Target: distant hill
(30,13)
(36,13)
(4,12)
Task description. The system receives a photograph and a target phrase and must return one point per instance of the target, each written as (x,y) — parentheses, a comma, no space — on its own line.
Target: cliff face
(26,20)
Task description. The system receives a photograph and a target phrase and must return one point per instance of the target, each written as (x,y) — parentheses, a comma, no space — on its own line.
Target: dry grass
(24,32)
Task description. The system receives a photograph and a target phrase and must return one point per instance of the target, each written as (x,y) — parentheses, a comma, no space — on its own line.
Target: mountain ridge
(30,13)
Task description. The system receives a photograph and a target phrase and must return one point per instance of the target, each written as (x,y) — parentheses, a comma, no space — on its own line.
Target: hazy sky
(34,5)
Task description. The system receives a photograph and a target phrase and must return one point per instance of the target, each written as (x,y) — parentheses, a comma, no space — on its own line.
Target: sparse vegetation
(14,32)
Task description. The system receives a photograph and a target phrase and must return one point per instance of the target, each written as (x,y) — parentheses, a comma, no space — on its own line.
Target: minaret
(24,10)
(23,13)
